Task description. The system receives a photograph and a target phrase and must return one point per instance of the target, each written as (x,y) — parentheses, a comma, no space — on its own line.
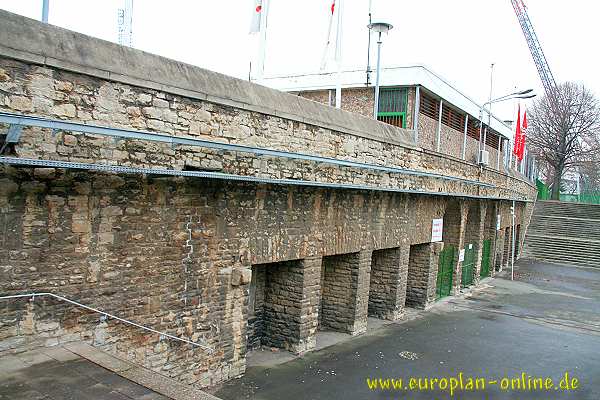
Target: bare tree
(590,177)
(565,133)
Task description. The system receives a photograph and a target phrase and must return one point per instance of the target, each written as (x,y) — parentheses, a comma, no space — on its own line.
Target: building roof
(393,76)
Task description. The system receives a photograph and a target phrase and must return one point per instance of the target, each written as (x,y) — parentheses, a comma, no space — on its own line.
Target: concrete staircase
(566,233)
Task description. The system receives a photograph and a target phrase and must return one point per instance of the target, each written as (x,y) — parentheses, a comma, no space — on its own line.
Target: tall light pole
(523,94)
(45,10)
(379,27)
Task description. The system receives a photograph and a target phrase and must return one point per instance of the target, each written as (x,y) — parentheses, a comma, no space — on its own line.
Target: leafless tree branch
(565,133)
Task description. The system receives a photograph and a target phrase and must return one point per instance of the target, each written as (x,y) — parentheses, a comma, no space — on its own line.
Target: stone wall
(355,100)
(422,274)
(345,292)
(451,141)
(256,306)
(427,133)
(359,100)
(283,294)
(472,150)
(387,288)
(176,254)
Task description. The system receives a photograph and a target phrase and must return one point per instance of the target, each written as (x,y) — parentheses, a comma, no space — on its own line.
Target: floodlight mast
(535,48)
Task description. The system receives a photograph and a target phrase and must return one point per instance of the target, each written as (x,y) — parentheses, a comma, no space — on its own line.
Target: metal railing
(239,178)
(57,125)
(108,315)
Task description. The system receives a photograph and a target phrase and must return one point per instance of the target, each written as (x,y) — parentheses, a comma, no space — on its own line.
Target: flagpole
(369,48)
(338,56)
(45,10)
(260,70)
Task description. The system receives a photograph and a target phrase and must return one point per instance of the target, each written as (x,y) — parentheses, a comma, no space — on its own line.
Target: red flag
(518,135)
(332,7)
(523,136)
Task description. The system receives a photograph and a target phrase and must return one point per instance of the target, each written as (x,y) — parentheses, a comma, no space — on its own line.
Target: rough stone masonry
(224,263)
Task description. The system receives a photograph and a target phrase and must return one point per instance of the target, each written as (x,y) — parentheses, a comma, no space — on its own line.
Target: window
(392,106)
(453,119)
(473,129)
(429,106)
(492,139)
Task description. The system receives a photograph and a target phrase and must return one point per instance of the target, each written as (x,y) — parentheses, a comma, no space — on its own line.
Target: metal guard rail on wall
(231,177)
(57,125)
(108,315)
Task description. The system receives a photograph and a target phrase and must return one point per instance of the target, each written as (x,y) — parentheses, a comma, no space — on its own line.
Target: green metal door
(485,258)
(468,265)
(445,270)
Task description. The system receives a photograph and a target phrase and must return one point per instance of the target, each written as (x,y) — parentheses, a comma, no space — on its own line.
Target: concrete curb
(142,376)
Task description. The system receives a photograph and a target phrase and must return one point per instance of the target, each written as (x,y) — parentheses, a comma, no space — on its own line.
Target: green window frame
(393,108)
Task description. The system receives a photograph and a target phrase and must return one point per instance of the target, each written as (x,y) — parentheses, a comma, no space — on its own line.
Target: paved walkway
(58,374)
(79,371)
(544,324)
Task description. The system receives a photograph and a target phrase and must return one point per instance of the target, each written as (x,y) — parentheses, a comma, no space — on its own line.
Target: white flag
(335,10)
(256,16)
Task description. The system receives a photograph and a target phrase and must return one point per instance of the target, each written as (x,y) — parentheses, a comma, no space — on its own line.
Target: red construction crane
(535,48)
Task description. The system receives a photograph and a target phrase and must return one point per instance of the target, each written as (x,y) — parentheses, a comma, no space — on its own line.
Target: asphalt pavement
(509,337)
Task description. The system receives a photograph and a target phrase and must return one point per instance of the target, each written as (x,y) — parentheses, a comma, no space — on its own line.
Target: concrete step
(564,233)
(557,257)
(569,231)
(583,242)
(574,253)
(565,260)
(564,246)
(560,209)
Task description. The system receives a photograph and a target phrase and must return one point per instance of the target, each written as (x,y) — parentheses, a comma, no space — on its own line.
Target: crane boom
(535,48)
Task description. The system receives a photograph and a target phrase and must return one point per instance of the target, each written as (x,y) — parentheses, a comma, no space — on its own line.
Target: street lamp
(523,94)
(379,27)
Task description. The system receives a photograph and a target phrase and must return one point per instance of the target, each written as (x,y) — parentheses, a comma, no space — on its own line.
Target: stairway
(565,233)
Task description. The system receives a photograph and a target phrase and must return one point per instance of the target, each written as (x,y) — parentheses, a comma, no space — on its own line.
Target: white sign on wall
(437,226)
(461,255)
(498,224)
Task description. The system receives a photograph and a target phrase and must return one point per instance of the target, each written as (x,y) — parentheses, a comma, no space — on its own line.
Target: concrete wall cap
(29,40)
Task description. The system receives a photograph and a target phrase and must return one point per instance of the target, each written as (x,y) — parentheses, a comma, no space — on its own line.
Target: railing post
(464,146)
(416,114)
(439,128)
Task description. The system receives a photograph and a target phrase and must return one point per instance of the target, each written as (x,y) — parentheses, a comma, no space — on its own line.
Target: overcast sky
(458,39)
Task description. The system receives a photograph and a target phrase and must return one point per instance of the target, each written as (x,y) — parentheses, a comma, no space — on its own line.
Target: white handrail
(162,334)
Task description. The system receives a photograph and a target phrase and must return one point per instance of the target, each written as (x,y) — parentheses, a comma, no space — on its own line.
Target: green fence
(543,190)
(445,270)
(544,193)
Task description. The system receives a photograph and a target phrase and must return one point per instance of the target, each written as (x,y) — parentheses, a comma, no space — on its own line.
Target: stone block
(44,173)
(70,140)
(64,110)
(241,276)
(20,103)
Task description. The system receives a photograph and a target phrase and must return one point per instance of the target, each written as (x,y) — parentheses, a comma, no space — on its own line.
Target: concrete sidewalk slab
(80,371)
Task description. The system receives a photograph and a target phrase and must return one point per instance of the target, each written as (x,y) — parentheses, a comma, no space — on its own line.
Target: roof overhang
(417,75)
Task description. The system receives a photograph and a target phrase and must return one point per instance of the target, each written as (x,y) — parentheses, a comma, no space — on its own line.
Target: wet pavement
(57,374)
(543,324)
